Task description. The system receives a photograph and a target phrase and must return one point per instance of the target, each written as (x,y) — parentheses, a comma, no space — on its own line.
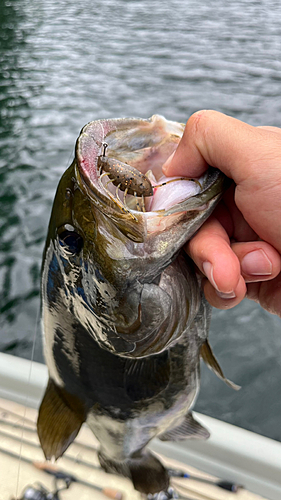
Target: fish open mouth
(121,161)
(119,165)
(162,192)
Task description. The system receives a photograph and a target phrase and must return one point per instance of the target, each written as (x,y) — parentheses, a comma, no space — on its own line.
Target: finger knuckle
(199,120)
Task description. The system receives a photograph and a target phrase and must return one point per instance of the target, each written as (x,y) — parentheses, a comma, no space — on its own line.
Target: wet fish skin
(123,313)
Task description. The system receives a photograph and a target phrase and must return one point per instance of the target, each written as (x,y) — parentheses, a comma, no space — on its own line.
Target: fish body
(124,317)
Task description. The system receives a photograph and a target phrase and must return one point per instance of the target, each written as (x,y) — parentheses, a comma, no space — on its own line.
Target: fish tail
(146,472)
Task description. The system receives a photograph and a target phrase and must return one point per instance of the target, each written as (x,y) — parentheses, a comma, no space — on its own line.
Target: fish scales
(125,321)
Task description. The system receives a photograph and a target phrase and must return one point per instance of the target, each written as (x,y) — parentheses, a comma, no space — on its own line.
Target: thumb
(212,138)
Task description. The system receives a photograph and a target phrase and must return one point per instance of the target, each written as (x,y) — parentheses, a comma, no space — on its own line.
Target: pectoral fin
(60,418)
(210,360)
(188,429)
(146,378)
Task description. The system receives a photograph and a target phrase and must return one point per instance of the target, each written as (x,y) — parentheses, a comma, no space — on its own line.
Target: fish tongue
(167,195)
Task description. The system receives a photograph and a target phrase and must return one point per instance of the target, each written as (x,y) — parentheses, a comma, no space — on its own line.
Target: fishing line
(103,134)
(27,398)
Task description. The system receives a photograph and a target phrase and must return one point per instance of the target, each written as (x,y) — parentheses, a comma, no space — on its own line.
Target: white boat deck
(21,440)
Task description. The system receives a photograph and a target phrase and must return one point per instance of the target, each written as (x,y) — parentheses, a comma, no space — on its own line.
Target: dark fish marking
(101,379)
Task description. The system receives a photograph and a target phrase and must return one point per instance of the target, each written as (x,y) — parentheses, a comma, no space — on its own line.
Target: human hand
(238,248)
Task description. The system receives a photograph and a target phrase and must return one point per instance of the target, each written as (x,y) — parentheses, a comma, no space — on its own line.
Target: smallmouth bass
(125,320)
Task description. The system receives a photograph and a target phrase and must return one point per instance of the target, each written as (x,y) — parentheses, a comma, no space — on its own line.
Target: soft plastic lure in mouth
(133,182)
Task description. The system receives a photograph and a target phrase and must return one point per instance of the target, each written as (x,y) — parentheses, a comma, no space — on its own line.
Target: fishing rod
(33,427)
(110,493)
(6,423)
(65,476)
(35,445)
(68,479)
(19,417)
(32,493)
(225,485)
(173,494)
(173,473)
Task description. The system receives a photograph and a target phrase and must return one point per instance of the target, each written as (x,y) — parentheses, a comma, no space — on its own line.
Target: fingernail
(167,163)
(256,263)
(230,295)
(209,271)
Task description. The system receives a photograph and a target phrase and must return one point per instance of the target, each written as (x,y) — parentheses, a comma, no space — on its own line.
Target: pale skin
(238,249)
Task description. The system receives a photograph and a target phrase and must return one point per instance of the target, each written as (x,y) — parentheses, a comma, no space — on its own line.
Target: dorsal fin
(59,420)
(188,429)
(210,360)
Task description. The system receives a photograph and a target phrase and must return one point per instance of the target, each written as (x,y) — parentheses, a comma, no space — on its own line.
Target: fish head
(109,247)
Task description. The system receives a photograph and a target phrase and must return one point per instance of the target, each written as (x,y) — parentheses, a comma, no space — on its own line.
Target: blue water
(66,63)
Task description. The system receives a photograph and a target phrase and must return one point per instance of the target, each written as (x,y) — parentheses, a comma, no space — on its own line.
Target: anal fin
(59,420)
(210,360)
(188,429)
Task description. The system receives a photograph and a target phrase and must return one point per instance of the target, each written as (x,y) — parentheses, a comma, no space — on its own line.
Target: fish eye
(71,241)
